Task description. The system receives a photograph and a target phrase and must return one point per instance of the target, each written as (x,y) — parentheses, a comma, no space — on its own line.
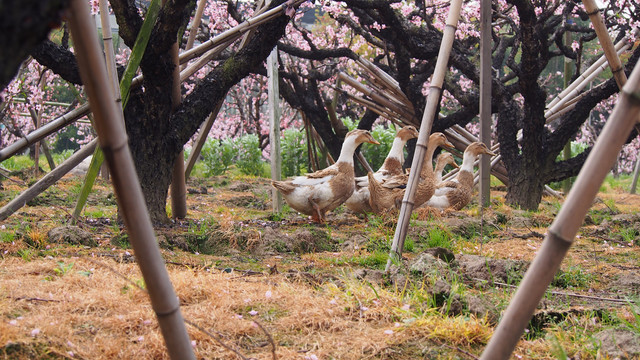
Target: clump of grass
(573,277)
(439,237)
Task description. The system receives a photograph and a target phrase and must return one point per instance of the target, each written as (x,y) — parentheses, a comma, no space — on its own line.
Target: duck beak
(489,152)
(455,165)
(448,144)
(372,140)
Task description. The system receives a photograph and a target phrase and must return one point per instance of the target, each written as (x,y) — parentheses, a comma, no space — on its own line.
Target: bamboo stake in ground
(425,129)
(113,140)
(563,230)
(274,127)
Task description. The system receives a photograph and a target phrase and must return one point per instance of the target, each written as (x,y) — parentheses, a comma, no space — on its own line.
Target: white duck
(456,194)
(324,190)
(359,201)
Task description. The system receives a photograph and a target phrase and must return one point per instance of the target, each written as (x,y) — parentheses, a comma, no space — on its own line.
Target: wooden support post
(178,180)
(485,101)
(274,127)
(566,153)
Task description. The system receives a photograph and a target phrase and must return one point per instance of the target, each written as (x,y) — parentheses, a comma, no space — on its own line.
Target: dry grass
(58,301)
(89,312)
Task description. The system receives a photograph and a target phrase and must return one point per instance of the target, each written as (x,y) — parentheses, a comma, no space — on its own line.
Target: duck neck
(397,149)
(348,149)
(467,161)
(439,168)
(427,164)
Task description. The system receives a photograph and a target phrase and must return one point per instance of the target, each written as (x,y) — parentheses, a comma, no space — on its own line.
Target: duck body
(392,166)
(324,190)
(389,194)
(457,193)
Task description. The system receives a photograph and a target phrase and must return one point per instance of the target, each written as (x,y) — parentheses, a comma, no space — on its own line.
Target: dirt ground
(265,284)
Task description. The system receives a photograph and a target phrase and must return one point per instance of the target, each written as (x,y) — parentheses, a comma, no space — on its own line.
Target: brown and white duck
(392,166)
(389,194)
(456,194)
(324,190)
(442,160)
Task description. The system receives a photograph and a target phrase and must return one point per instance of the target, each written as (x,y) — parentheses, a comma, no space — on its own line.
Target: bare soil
(266,283)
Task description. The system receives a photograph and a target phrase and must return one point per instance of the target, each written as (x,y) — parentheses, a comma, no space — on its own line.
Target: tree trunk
(525,188)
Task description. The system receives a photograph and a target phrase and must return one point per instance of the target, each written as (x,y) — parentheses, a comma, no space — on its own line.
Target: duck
(388,194)
(442,160)
(456,194)
(392,166)
(324,190)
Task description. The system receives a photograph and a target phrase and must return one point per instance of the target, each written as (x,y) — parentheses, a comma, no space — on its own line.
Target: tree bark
(24,24)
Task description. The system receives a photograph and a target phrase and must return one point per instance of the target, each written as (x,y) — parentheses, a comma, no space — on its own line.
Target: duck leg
(317,215)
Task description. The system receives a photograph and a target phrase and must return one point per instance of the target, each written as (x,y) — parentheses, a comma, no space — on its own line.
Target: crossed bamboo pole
(113,141)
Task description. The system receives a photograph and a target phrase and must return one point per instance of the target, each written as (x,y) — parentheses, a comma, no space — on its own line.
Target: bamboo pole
(201,139)
(178,180)
(274,127)
(45,149)
(374,95)
(605,41)
(585,78)
(433,98)
(636,172)
(44,131)
(113,140)
(195,24)
(484,171)
(47,180)
(238,30)
(562,231)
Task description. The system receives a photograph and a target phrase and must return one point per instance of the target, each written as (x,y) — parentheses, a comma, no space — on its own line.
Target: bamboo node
(594,12)
(168,313)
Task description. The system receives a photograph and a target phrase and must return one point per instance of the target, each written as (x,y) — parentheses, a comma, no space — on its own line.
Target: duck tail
(284,187)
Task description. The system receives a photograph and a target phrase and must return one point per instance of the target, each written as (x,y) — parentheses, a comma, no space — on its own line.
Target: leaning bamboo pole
(605,41)
(563,230)
(97,159)
(44,131)
(435,90)
(238,30)
(201,139)
(195,24)
(113,140)
(585,78)
(49,179)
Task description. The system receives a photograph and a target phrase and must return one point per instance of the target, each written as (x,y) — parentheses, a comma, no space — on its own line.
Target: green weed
(573,277)
(439,237)
(62,268)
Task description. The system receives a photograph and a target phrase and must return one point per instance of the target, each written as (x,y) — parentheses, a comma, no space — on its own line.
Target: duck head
(361,136)
(447,158)
(408,132)
(439,139)
(478,148)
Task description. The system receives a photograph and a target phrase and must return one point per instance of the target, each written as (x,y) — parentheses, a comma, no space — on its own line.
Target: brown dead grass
(92,313)
(102,316)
